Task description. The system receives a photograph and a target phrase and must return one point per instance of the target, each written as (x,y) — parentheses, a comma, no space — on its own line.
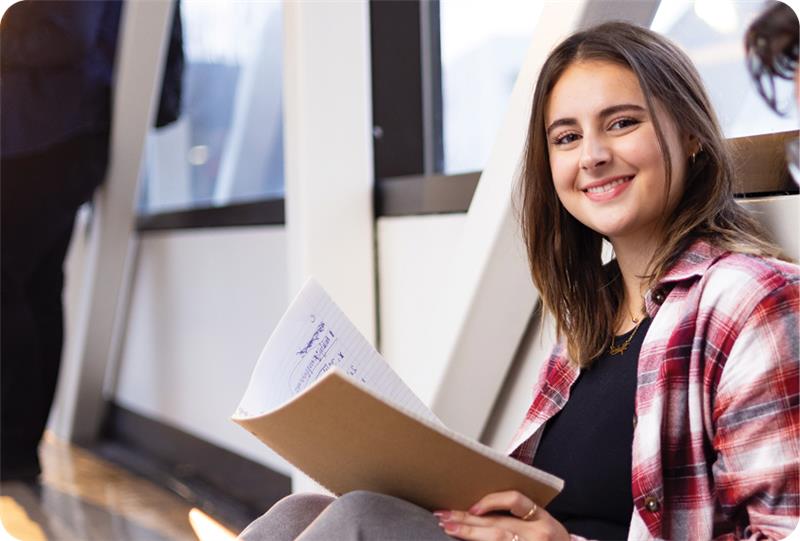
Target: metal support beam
(95,335)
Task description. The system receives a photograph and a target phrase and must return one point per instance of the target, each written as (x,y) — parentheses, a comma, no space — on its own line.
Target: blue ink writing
(314,338)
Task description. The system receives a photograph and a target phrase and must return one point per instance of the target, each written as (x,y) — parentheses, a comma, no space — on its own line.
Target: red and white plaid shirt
(717,439)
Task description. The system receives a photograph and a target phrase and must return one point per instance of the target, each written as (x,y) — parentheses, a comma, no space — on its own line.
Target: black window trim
(261,212)
(407,195)
(425,194)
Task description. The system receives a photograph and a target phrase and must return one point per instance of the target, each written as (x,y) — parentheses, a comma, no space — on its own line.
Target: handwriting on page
(324,354)
(312,338)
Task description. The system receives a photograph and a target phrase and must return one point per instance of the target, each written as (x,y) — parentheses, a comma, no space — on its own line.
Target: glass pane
(228,144)
(712,33)
(483,45)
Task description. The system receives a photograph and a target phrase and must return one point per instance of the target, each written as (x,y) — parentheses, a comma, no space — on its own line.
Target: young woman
(670,407)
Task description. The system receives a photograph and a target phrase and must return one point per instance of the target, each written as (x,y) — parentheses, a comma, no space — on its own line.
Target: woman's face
(605,160)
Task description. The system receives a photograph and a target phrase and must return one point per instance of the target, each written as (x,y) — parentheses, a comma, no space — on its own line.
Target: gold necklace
(620,349)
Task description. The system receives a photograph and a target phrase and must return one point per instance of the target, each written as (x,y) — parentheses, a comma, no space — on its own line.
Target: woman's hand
(528,522)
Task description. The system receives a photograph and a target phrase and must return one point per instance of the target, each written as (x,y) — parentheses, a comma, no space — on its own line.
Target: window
(483,45)
(227,147)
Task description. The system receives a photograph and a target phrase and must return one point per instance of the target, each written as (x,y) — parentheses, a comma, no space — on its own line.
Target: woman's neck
(633,258)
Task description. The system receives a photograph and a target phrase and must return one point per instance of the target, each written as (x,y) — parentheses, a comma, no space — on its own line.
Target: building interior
(372,145)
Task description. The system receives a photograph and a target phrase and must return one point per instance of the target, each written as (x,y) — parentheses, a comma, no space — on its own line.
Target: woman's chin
(612,231)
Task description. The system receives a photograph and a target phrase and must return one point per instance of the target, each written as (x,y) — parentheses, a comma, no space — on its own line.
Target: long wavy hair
(582,294)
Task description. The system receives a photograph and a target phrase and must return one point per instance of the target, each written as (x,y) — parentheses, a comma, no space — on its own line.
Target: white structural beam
(491,298)
(95,334)
(328,155)
(486,309)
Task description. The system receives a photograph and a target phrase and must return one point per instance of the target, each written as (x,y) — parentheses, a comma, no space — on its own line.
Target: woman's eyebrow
(560,122)
(608,111)
(614,109)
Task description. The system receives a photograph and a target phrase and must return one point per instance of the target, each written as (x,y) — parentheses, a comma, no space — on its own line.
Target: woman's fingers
(474,532)
(527,523)
(503,527)
(511,501)
(466,518)
(462,523)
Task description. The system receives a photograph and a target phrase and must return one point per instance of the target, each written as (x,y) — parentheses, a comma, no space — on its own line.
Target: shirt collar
(692,263)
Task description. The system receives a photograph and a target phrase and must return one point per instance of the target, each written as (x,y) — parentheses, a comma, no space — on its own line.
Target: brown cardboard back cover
(347,438)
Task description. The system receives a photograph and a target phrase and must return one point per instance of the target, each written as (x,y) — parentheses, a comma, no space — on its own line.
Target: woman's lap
(358,515)
(286,519)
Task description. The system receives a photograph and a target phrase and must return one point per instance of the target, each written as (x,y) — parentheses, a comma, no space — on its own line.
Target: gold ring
(529,514)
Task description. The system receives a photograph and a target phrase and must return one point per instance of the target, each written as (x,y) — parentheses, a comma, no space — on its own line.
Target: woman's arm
(755,419)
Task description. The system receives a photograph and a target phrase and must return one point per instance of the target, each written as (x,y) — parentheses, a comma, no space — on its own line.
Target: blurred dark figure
(56,65)
(772,45)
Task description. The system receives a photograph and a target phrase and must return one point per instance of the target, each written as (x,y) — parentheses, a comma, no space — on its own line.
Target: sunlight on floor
(16,524)
(83,497)
(208,529)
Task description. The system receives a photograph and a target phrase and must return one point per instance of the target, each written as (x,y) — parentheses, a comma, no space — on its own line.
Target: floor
(82,497)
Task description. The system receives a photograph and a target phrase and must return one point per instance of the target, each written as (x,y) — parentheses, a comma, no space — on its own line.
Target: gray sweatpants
(355,516)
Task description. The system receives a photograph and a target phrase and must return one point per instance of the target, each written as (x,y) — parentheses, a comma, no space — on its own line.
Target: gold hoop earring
(696,152)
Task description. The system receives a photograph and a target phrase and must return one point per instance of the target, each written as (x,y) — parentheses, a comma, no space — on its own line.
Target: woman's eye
(623,123)
(565,139)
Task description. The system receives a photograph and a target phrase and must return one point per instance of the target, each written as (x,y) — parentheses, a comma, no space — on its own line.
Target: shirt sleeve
(49,34)
(755,415)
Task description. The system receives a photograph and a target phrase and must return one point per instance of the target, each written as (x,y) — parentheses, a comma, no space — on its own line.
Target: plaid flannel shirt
(715,447)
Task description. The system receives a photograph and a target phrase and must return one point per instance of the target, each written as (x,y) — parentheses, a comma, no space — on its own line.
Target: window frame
(407,113)
(407,131)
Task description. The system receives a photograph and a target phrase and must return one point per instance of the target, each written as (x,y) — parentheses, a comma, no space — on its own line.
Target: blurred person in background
(771,44)
(56,75)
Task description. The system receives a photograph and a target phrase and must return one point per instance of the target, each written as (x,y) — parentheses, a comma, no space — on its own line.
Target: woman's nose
(595,152)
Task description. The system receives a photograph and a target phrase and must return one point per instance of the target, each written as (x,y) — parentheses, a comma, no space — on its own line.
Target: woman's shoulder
(738,282)
(712,269)
(743,270)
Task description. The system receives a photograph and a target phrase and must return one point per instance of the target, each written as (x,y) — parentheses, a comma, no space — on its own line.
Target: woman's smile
(608,189)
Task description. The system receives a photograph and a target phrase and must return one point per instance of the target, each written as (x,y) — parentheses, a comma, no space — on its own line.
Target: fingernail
(475,510)
(449,527)
(442,514)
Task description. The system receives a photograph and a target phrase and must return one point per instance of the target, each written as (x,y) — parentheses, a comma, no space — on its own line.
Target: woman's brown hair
(564,255)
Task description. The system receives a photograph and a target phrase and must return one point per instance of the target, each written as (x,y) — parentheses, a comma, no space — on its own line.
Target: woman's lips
(609,190)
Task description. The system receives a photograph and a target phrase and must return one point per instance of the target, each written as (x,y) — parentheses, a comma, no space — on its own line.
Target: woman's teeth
(609,186)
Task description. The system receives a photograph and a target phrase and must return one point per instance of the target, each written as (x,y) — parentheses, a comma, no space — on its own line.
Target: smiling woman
(636,116)
(690,326)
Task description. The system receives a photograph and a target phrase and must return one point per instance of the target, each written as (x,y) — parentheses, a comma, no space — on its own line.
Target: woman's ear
(693,146)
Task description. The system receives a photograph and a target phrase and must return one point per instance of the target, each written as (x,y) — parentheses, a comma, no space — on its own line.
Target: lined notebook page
(312,337)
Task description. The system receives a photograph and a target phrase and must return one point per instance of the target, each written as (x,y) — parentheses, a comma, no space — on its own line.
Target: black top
(588,444)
